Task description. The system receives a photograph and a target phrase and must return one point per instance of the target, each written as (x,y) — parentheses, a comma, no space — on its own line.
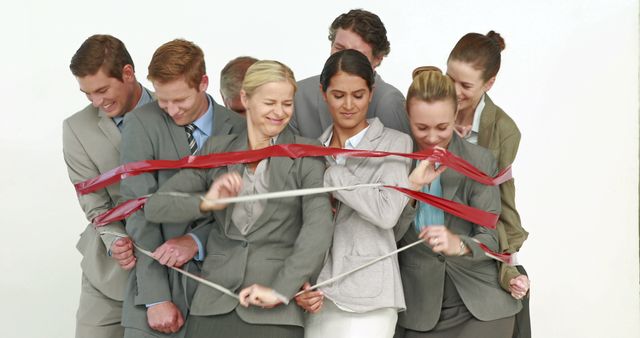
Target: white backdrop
(569,79)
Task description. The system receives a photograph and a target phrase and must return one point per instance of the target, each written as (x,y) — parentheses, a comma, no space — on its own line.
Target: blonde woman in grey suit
(365,303)
(265,250)
(451,286)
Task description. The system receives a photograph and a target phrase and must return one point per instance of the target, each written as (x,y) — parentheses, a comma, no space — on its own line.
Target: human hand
(310,301)
(122,251)
(227,185)
(442,240)
(165,317)
(519,286)
(424,173)
(260,296)
(176,251)
(462,131)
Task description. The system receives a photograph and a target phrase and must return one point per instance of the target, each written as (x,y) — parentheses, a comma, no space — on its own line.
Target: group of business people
(269,250)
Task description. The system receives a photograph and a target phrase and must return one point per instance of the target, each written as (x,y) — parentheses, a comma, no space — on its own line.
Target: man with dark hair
(231,77)
(91,146)
(176,126)
(363,31)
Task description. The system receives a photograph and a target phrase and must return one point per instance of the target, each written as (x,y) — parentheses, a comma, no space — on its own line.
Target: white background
(569,79)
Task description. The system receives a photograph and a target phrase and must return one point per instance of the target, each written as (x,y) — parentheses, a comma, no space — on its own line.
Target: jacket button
(441,258)
(244,244)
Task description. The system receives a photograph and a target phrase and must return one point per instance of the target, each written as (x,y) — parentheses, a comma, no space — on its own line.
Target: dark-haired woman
(473,64)
(365,303)
(451,286)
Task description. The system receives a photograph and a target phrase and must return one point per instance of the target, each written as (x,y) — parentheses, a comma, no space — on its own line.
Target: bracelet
(462,247)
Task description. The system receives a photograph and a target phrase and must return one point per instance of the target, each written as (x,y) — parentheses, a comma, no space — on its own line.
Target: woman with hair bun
(473,64)
(451,287)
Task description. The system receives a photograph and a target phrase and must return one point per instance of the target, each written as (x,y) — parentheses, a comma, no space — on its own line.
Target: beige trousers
(98,316)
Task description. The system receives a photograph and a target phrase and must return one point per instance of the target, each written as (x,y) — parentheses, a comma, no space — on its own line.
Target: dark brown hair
(367,25)
(349,61)
(100,51)
(177,59)
(481,51)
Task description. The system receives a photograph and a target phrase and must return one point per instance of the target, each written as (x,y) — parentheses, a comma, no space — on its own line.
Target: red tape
(120,212)
(282,150)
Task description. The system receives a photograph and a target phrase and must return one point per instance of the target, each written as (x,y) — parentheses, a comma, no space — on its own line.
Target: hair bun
(423,69)
(497,38)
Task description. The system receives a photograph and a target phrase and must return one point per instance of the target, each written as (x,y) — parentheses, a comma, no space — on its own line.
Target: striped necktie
(193,146)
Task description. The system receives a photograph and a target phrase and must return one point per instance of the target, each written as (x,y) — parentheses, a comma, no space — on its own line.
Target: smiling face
(183,103)
(348,39)
(469,84)
(268,109)
(431,123)
(110,95)
(348,98)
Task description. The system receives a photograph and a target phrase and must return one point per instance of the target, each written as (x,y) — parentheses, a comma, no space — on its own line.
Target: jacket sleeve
(151,277)
(81,167)
(380,206)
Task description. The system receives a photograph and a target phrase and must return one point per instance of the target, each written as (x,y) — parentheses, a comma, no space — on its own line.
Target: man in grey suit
(363,31)
(91,146)
(177,125)
(231,77)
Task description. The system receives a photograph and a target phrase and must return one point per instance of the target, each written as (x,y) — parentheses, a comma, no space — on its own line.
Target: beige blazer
(500,134)
(91,146)
(475,276)
(365,220)
(284,247)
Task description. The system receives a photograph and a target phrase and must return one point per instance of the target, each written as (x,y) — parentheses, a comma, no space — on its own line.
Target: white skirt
(333,322)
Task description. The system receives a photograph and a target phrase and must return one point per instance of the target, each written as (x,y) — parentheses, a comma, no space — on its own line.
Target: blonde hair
(266,71)
(431,85)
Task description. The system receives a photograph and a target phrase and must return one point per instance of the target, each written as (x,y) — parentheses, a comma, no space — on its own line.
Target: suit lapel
(369,142)
(220,118)
(110,130)
(450,179)
(278,173)
(487,122)
(178,137)
(239,144)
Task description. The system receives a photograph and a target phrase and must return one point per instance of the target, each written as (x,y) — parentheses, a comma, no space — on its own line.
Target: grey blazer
(312,116)
(284,247)
(151,134)
(475,276)
(365,220)
(91,146)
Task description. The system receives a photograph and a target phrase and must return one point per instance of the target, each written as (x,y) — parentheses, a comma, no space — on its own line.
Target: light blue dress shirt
(427,214)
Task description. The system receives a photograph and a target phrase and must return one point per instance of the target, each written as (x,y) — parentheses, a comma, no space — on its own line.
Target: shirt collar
(475,127)
(204,122)
(351,142)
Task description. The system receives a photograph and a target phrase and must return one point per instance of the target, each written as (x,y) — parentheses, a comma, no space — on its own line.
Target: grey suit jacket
(151,134)
(475,276)
(364,222)
(311,117)
(284,247)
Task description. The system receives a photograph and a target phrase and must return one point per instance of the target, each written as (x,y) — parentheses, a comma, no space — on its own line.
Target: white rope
(277,194)
(186,273)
